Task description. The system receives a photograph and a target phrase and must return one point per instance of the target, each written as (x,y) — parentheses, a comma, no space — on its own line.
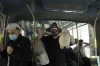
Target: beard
(55,33)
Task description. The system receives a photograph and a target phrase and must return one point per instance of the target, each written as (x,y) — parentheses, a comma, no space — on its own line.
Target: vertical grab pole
(95,41)
(5,36)
(77,39)
(34,22)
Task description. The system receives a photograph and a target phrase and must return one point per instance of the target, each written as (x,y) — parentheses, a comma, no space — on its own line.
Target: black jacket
(22,49)
(70,54)
(55,54)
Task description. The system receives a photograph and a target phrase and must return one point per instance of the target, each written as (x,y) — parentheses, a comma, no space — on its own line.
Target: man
(51,42)
(19,47)
(80,54)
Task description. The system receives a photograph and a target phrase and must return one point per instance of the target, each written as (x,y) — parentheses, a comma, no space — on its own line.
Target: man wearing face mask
(19,47)
(52,46)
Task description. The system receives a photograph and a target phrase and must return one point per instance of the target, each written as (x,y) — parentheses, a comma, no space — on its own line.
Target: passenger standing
(80,54)
(51,42)
(39,49)
(19,47)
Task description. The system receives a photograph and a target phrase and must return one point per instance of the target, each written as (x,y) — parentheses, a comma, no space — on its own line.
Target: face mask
(13,37)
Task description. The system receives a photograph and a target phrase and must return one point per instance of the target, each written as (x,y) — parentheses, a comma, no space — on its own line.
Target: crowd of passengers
(46,50)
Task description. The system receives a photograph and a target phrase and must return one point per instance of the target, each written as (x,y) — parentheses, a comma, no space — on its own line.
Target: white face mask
(13,37)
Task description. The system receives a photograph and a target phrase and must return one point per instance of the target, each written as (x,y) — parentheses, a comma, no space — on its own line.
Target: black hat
(54,24)
(80,40)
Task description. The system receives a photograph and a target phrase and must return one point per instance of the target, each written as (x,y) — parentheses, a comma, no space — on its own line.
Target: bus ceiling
(68,10)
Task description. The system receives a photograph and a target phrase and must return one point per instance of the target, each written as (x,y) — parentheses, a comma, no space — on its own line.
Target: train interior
(80,17)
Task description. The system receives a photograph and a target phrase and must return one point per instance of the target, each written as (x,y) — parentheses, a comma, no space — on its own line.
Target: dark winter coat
(22,54)
(55,54)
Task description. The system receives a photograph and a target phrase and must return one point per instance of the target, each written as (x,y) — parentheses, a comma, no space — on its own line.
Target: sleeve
(4,54)
(23,52)
(72,54)
(16,54)
(44,38)
(33,42)
(76,50)
(26,54)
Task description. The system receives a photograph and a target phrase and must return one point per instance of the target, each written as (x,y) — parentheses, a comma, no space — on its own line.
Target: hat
(54,25)
(80,40)
(13,26)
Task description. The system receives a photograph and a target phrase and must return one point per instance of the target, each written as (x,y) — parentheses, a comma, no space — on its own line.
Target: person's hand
(40,33)
(9,50)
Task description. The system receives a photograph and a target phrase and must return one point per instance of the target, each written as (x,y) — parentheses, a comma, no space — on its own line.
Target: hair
(17,28)
(54,24)
(80,40)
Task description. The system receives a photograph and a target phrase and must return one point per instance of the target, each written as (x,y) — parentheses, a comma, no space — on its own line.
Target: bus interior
(80,17)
